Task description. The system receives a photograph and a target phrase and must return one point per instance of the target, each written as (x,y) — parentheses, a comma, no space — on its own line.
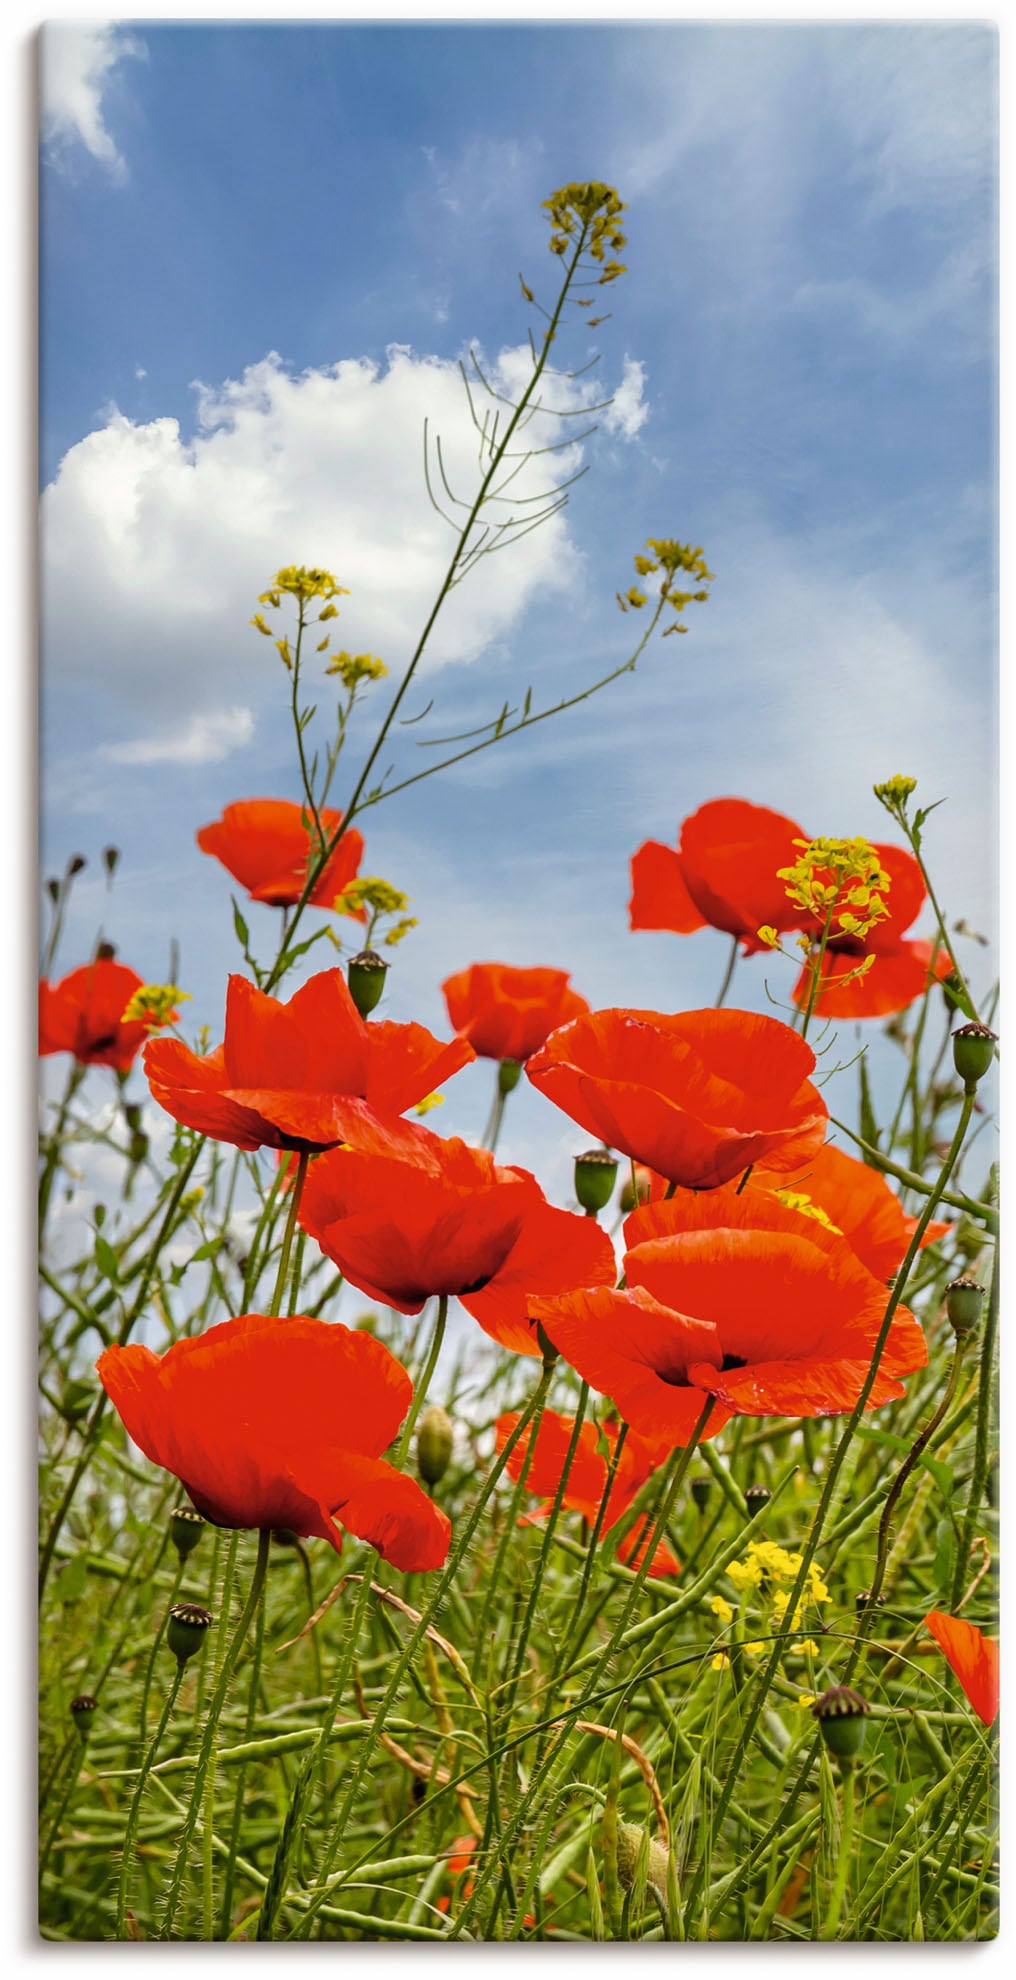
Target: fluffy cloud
(204,739)
(77,59)
(629,411)
(156,546)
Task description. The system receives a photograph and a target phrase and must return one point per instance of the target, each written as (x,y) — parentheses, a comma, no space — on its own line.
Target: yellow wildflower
(154,1005)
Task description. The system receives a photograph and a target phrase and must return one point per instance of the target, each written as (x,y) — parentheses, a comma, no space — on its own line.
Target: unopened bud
(137,1148)
(963,1302)
(53,890)
(841,1714)
(973,1052)
(644,1184)
(630,1843)
(185,1529)
(285,1537)
(365,975)
(83,1709)
(434,1440)
(110,859)
(595,1176)
(509,1073)
(187,1629)
(755,1498)
(76,864)
(700,1490)
(105,952)
(952,995)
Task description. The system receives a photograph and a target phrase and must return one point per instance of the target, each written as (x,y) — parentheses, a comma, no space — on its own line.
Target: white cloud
(156,547)
(204,739)
(630,410)
(77,59)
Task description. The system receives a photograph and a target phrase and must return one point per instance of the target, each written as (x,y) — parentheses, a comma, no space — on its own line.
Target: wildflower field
(626,1570)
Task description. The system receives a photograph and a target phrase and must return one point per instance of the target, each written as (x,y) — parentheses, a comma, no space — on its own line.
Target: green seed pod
(137,1148)
(110,859)
(187,1629)
(106,951)
(627,1198)
(700,1490)
(76,864)
(841,1714)
(973,1052)
(83,1709)
(963,1302)
(365,975)
(53,890)
(630,1843)
(185,1529)
(595,1176)
(755,1498)
(509,1073)
(434,1440)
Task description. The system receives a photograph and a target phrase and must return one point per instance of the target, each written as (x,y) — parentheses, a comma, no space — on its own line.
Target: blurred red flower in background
(857,1201)
(738,1298)
(299,1075)
(698,1097)
(411,1215)
(973,1657)
(281,1423)
(82,1014)
(587,1478)
(507,1013)
(266,844)
(723,874)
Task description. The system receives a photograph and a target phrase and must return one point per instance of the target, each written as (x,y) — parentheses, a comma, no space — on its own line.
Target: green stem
(73,1777)
(135,1807)
(984,1213)
(831,1926)
(815,966)
(981,1444)
(729,973)
(211,1728)
(574,1637)
(420,1390)
(234,1837)
(287,1240)
(150,1668)
(828,1488)
(54,1145)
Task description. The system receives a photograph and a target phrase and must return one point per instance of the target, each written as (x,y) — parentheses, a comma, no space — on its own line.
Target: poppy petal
(659,896)
(973,1657)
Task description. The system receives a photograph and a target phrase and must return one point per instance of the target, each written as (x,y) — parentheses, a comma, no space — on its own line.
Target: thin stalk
(729,973)
(135,1807)
(287,1240)
(234,1835)
(211,1728)
(831,1926)
(73,1777)
(54,1146)
(984,1411)
(420,1390)
(575,1634)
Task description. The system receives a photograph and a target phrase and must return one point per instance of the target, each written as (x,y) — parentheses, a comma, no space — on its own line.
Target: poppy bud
(628,1193)
(137,1147)
(434,1440)
(951,993)
(82,1709)
(76,864)
(963,1302)
(968,1239)
(285,1537)
(110,859)
(509,1073)
(595,1176)
(755,1498)
(187,1629)
(53,890)
(700,1490)
(366,978)
(629,1847)
(185,1529)
(841,1713)
(973,1052)
(77,1400)
(865,1600)
(132,1116)
(106,952)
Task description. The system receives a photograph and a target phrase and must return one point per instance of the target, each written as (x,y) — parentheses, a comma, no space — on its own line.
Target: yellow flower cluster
(379,896)
(839,882)
(352,668)
(155,1005)
(670,557)
(895,792)
(300,582)
(589,213)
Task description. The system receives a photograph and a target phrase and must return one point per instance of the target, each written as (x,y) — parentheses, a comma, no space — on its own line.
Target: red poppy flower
(507,1013)
(738,1298)
(723,874)
(973,1657)
(83,1013)
(587,1478)
(298,1075)
(266,844)
(423,1215)
(697,1097)
(901,970)
(858,1202)
(282,1423)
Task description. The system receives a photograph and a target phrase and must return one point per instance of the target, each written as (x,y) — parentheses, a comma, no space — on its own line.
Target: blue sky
(264,249)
